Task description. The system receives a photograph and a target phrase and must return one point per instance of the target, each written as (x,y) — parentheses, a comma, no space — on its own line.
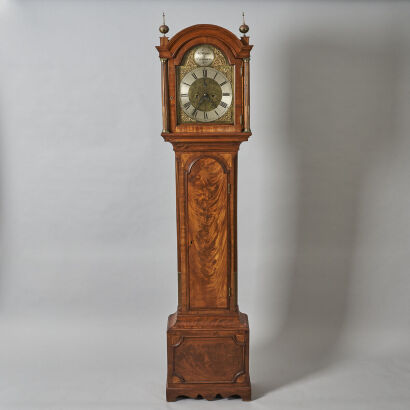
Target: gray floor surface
(103,364)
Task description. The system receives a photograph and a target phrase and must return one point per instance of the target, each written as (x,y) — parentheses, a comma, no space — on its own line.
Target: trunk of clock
(208,338)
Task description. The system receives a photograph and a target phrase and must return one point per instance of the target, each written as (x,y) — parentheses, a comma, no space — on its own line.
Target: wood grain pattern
(221,359)
(179,321)
(207,214)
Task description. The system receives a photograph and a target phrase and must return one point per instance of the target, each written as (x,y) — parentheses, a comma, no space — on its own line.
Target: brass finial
(164,28)
(243,28)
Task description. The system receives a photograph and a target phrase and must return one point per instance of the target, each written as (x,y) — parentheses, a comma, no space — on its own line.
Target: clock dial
(205,94)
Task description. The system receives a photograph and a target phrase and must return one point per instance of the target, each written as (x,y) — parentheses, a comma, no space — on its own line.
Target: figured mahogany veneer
(208,356)
(207,223)
(207,337)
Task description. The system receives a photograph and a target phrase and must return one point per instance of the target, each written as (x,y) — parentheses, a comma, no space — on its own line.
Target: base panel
(208,356)
(209,392)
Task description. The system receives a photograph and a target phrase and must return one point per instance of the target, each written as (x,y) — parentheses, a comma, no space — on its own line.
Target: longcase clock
(205,112)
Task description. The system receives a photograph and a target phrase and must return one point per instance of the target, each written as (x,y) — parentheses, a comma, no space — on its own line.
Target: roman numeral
(226,94)
(194,75)
(187,105)
(205,115)
(205,73)
(183,82)
(222,83)
(217,113)
(223,104)
(184,95)
(216,75)
(195,112)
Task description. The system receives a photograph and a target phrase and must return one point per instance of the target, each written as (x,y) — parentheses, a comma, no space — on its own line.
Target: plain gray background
(87,212)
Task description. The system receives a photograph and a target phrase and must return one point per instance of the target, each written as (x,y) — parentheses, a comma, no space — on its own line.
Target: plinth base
(209,392)
(208,356)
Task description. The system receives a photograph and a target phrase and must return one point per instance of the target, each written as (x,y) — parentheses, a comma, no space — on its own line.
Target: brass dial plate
(219,64)
(205,94)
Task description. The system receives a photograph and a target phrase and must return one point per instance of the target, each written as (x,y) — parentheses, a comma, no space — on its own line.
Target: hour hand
(201,99)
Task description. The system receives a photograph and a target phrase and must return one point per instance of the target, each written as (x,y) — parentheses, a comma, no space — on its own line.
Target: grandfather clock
(205,114)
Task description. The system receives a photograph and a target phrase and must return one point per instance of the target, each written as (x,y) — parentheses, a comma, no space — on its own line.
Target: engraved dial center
(205,97)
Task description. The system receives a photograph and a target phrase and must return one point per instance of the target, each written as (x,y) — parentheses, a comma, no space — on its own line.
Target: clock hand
(200,100)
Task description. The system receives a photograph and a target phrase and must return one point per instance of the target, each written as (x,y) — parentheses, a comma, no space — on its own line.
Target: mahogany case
(207,337)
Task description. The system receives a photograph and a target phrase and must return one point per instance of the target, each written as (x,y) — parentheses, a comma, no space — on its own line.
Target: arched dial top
(205,94)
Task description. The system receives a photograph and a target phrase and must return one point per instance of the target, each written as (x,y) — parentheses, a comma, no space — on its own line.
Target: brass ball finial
(163,28)
(244,28)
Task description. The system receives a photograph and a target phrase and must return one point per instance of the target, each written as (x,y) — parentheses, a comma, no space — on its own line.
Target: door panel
(207,223)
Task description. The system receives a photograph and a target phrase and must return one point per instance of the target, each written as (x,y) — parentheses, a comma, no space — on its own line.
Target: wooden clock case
(207,337)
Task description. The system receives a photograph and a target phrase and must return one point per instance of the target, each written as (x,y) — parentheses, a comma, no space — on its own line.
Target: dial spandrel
(205,94)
